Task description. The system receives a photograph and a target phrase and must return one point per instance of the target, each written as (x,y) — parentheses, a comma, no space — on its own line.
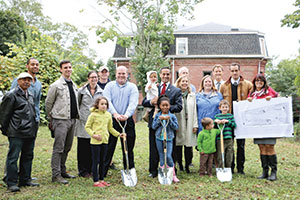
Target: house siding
(220,44)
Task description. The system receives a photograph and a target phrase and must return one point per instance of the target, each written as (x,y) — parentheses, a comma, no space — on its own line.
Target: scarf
(259,93)
(184,96)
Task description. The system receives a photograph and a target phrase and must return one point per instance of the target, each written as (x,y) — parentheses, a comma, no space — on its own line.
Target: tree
(112,69)
(292,20)
(282,78)
(65,34)
(151,23)
(12,30)
(44,49)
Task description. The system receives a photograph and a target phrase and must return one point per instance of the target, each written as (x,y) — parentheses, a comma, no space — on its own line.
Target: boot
(265,166)
(180,166)
(273,165)
(175,179)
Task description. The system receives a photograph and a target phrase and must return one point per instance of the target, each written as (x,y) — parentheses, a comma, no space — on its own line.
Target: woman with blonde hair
(207,100)
(187,119)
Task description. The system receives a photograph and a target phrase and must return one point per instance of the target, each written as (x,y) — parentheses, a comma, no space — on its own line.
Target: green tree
(112,69)
(65,34)
(12,30)
(292,20)
(282,79)
(44,49)
(151,22)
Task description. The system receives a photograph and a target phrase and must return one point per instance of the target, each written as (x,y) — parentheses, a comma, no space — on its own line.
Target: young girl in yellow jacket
(98,126)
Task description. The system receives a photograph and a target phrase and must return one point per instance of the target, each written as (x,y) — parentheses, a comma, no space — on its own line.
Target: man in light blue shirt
(36,87)
(123,97)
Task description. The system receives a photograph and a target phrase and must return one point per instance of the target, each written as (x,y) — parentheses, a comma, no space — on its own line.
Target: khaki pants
(63,139)
(228,153)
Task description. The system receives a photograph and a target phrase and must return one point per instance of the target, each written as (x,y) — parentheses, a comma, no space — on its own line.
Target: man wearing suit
(174,94)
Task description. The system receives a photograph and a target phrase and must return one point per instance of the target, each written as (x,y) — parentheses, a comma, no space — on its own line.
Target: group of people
(197,117)
(97,112)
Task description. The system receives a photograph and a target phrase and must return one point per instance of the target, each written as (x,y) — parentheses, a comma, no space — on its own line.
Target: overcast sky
(261,15)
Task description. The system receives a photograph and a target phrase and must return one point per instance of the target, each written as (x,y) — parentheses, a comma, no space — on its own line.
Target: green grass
(191,186)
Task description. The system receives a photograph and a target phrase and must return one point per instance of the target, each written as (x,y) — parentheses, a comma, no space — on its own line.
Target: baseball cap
(103,68)
(24,75)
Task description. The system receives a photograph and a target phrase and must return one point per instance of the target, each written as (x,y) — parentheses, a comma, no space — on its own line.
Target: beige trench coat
(185,135)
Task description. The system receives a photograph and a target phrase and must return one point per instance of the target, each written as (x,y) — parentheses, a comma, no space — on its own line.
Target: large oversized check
(262,119)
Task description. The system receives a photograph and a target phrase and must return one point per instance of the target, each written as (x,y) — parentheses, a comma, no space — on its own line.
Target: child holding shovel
(98,125)
(228,120)
(165,118)
(207,145)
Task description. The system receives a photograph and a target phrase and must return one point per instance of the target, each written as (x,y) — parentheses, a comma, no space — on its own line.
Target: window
(181,46)
(130,51)
(206,73)
(262,46)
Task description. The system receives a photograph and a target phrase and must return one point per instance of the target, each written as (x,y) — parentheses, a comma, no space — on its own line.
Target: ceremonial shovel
(223,174)
(129,177)
(165,175)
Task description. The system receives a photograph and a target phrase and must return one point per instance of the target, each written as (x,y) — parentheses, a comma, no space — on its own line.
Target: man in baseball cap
(103,75)
(16,104)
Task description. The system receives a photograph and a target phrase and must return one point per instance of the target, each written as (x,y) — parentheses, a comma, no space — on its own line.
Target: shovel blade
(165,176)
(129,177)
(224,174)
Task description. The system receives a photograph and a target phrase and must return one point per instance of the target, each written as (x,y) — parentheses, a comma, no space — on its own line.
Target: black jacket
(175,97)
(17,115)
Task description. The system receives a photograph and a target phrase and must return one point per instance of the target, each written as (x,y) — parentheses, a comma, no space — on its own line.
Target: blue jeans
(17,146)
(160,148)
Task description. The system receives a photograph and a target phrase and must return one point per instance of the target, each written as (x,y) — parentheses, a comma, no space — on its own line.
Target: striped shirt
(227,132)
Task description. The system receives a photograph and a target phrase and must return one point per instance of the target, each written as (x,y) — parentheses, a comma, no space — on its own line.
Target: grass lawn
(191,186)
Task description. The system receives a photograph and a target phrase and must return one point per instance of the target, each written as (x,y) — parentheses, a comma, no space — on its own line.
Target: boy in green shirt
(228,120)
(207,145)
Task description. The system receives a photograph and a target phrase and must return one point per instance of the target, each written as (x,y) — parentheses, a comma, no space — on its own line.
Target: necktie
(163,91)
(218,85)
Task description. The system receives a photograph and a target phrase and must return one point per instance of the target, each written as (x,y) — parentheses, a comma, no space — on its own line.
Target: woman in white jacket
(187,120)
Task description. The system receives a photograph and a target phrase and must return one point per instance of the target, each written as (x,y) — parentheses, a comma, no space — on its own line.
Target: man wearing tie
(236,88)
(217,75)
(174,94)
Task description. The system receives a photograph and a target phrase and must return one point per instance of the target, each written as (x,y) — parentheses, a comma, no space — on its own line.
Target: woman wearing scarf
(187,120)
(268,157)
(207,99)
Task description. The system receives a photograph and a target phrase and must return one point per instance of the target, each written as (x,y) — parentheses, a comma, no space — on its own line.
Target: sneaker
(98,184)
(66,175)
(105,183)
(59,179)
(113,167)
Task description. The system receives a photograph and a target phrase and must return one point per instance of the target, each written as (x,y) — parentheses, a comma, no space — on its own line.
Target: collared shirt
(36,90)
(218,84)
(235,81)
(123,99)
(162,85)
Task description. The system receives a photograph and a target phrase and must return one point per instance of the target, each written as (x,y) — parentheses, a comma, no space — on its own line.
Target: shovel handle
(125,144)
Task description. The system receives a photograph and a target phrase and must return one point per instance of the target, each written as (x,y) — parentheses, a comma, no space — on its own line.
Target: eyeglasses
(93,77)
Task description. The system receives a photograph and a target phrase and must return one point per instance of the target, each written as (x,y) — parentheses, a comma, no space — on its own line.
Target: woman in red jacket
(268,157)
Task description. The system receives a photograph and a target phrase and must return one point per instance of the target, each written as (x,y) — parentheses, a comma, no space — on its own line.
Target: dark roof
(213,40)
(220,44)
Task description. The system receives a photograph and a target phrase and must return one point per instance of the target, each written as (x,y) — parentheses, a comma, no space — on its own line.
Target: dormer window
(263,47)
(130,51)
(181,46)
